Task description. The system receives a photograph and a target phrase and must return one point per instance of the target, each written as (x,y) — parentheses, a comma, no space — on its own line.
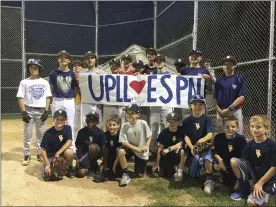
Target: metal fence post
(195,24)
(23,40)
(271,58)
(96,26)
(155,25)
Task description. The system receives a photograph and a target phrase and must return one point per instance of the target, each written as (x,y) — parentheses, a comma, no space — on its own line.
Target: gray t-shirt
(136,135)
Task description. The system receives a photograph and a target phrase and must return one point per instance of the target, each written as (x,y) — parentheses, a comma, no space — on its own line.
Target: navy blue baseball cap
(173,116)
(132,107)
(65,53)
(93,115)
(60,112)
(36,62)
(198,98)
(195,52)
(229,59)
(138,63)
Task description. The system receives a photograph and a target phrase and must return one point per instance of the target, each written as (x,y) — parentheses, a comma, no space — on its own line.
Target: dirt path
(23,185)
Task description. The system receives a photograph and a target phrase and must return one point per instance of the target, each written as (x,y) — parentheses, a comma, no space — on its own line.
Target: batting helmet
(36,62)
(65,53)
(229,59)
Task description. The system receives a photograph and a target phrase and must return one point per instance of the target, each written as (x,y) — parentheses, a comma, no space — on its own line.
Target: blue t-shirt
(194,71)
(168,138)
(228,89)
(228,148)
(64,84)
(196,128)
(86,137)
(53,140)
(259,155)
(149,71)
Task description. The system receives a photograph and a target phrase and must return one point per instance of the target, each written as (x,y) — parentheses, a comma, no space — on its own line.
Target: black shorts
(85,162)
(140,165)
(111,157)
(168,162)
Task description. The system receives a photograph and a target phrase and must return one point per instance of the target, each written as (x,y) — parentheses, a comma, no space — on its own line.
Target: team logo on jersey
(174,138)
(172,114)
(36,91)
(197,126)
(111,143)
(90,138)
(230,148)
(60,138)
(258,153)
(64,83)
(234,86)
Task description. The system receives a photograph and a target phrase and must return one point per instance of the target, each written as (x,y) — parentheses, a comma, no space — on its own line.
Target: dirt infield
(24,186)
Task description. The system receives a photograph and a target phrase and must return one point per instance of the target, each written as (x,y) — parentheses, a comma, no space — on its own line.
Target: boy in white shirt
(34,96)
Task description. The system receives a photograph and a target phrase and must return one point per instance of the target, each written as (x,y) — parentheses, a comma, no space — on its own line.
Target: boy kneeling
(170,152)
(55,143)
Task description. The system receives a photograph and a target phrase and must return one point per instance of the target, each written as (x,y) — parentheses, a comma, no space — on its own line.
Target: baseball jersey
(136,135)
(150,70)
(273,160)
(112,142)
(64,84)
(162,73)
(53,140)
(34,92)
(168,138)
(259,155)
(194,71)
(227,148)
(228,89)
(196,128)
(86,137)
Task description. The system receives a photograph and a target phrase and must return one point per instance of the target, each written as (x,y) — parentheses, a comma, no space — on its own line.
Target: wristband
(231,107)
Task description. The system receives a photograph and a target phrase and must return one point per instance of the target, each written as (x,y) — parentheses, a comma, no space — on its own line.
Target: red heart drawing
(137,85)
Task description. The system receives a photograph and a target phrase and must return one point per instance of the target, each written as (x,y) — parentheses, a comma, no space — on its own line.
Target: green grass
(10,117)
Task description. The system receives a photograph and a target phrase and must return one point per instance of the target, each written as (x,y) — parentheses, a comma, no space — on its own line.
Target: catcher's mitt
(202,147)
(59,167)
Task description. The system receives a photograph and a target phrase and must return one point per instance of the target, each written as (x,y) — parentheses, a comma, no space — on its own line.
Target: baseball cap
(138,63)
(90,53)
(36,62)
(77,61)
(60,112)
(64,52)
(229,59)
(93,114)
(159,57)
(196,52)
(114,62)
(179,62)
(198,98)
(151,50)
(173,116)
(126,57)
(132,107)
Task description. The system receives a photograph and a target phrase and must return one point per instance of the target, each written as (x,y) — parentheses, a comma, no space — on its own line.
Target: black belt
(36,107)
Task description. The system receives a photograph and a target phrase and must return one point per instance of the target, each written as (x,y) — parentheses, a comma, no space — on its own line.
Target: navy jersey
(53,140)
(112,143)
(194,71)
(196,128)
(228,148)
(168,138)
(64,84)
(163,73)
(259,155)
(228,89)
(86,137)
(273,160)
(148,70)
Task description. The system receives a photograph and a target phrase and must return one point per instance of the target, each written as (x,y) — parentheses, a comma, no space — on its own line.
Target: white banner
(152,90)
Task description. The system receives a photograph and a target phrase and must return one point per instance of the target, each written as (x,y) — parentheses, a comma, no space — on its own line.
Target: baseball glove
(202,147)
(59,168)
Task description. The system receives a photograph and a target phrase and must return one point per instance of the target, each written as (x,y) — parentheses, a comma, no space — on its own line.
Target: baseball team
(103,139)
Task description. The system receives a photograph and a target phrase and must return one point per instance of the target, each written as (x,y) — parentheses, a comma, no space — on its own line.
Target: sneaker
(178,176)
(99,177)
(91,174)
(39,158)
(26,160)
(125,180)
(70,173)
(209,186)
(237,196)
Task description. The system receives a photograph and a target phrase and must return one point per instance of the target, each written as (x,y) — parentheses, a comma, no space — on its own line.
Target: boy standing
(135,137)
(34,96)
(255,160)
(198,128)
(55,143)
(150,68)
(126,65)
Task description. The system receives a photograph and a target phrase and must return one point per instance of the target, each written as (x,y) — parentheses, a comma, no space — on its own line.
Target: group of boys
(98,153)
